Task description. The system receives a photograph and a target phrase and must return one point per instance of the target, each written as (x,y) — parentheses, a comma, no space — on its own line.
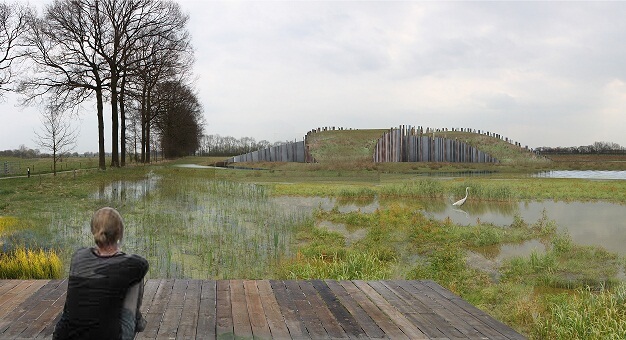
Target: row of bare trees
(596,147)
(134,55)
(216,145)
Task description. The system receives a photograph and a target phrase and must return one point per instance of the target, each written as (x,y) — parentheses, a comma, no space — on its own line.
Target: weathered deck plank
(263,309)
(412,331)
(391,329)
(275,320)
(241,318)
(296,327)
(360,316)
(224,326)
(307,314)
(206,313)
(191,306)
(258,320)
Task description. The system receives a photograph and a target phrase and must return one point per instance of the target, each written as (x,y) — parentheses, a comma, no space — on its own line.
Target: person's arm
(133,268)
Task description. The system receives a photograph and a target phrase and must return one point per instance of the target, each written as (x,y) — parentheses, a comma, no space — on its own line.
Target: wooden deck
(227,309)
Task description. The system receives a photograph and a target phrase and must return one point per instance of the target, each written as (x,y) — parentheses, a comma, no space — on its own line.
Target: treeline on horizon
(595,148)
(209,145)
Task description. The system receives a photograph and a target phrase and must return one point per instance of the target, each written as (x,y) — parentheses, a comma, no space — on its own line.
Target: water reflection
(589,223)
(126,190)
(499,253)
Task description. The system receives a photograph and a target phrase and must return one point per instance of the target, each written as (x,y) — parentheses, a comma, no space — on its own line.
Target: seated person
(105,286)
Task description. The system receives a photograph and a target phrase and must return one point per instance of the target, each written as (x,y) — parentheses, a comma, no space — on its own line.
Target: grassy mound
(358,146)
(344,146)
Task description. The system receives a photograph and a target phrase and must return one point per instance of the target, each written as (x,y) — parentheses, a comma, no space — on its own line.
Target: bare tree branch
(57,135)
(13,25)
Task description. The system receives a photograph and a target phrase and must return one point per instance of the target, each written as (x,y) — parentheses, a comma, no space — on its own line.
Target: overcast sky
(541,73)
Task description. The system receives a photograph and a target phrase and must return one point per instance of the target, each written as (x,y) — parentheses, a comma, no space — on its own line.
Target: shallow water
(588,223)
(126,190)
(191,227)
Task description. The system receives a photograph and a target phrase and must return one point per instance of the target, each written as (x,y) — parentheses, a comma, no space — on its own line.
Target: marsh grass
(7,224)
(588,314)
(351,266)
(323,254)
(199,227)
(565,265)
(357,192)
(415,188)
(410,245)
(504,189)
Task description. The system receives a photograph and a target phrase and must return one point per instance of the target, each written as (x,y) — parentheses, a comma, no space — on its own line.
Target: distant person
(105,286)
(28,171)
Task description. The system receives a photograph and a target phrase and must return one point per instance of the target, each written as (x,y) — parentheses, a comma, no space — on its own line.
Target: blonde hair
(107,227)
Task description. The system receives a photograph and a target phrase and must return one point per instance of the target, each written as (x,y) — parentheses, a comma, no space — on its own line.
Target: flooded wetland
(207,223)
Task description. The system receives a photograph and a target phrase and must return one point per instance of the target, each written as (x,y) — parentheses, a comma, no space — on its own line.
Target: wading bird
(462,200)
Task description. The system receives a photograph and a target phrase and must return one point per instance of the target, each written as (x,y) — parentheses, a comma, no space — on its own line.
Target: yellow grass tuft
(27,264)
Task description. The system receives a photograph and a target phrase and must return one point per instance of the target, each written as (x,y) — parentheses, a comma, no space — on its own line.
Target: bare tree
(126,23)
(13,24)
(165,55)
(67,69)
(57,134)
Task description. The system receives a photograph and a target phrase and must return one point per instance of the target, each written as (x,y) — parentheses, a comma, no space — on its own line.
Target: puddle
(126,190)
(523,249)
(350,235)
(309,204)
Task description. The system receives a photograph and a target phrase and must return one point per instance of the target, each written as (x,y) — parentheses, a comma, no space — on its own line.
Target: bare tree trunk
(100,108)
(115,158)
(148,121)
(123,122)
(143,125)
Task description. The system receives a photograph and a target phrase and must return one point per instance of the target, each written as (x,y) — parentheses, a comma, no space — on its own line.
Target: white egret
(462,200)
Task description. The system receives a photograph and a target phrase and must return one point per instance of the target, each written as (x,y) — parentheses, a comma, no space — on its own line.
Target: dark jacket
(96,289)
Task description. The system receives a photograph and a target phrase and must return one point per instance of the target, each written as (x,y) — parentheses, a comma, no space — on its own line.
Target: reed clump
(26,264)
(415,188)
(350,266)
(587,314)
(357,192)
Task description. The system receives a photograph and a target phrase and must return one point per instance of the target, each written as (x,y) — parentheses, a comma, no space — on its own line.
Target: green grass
(483,189)
(44,165)
(588,314)
(346,146)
